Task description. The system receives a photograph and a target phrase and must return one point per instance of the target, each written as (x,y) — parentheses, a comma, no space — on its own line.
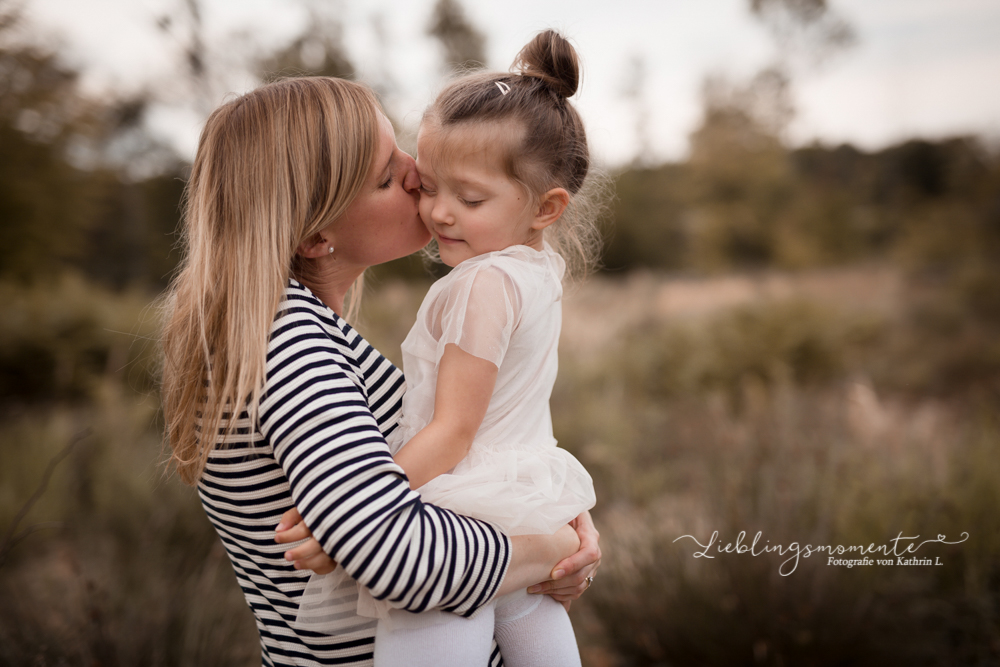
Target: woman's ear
(319,244)
(550,207)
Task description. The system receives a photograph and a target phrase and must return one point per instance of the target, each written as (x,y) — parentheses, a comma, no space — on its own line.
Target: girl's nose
(439,212)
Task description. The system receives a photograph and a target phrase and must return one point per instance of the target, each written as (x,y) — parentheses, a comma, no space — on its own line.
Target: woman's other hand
(572,576)
(307,556)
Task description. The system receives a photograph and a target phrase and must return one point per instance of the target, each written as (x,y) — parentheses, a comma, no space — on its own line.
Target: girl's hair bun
(552,59)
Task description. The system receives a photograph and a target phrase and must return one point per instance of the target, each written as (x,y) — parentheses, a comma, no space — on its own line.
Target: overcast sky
(919,67)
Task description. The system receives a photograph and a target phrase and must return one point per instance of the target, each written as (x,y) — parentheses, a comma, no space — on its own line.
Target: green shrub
(58,340)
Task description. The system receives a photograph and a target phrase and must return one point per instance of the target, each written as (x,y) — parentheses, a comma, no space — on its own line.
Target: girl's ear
(317,245)
(550,207)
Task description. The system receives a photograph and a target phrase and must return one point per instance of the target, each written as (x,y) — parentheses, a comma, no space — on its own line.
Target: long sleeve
(316,414)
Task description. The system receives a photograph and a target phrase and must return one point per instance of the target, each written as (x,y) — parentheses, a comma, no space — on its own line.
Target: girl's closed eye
(470,203)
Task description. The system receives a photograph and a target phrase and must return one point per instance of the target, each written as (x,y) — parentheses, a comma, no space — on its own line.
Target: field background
(801,341)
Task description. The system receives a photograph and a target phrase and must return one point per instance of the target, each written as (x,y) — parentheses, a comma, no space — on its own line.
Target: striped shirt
(319,444)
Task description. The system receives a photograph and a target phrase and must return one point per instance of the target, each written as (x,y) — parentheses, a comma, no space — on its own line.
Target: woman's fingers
(288,519)
(299,531)
(291,528)
(307,549)
(567,588)
(307,556)
(571,582)
(589,553)
(574,575)
(310,556)
(320,564)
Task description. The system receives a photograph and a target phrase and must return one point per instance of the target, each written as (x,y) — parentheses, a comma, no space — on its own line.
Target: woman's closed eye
(388,182)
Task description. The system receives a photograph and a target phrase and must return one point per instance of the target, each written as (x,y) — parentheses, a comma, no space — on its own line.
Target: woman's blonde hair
(273,167)
(539,136)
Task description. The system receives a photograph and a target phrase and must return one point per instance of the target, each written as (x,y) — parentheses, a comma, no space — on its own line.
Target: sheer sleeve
(480,312)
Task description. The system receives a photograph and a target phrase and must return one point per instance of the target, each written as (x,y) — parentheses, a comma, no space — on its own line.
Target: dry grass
(771,403)
(126,569)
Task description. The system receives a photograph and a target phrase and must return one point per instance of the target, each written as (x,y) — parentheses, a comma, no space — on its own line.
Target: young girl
(501,158)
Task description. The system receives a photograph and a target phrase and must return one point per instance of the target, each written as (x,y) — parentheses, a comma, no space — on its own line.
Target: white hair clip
(504,88)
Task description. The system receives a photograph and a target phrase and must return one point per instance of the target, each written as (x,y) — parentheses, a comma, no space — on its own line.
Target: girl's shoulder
(512,274)
(518,261)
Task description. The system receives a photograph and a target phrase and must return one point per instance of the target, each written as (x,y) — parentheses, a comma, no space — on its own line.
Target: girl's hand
(307,556)
(569,578)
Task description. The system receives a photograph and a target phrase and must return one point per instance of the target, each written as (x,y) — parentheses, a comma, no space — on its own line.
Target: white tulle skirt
(530,489)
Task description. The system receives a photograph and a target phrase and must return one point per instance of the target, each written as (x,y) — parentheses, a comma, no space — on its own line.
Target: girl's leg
(531,635)
(452,642)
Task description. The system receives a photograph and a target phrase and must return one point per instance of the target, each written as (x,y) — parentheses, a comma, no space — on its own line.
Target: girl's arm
(462,395)
(317,420)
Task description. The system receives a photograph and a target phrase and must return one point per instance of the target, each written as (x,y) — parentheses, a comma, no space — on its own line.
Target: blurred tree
(739,199)
(317,51)
(804,31)
(648,220)
(46,129)
(464,45)
(198,72)
(634,92)
(82,183)
(739,172)
(743,200)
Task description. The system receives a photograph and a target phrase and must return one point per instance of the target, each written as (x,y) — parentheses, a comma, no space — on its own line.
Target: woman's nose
(411,180)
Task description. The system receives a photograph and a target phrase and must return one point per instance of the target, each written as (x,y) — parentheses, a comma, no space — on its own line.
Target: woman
(296,188)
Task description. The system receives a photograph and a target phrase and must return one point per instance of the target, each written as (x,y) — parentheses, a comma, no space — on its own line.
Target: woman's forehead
(386,146)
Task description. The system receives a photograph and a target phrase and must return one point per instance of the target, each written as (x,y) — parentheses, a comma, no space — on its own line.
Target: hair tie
(504,88)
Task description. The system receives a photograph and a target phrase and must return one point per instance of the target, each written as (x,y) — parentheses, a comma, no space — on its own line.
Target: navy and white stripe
(319,444)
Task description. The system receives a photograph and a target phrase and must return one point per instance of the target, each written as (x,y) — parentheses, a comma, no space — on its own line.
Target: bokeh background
(795,330)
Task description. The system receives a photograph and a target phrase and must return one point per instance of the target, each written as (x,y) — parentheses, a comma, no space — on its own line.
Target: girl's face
(467,202)
(383,222)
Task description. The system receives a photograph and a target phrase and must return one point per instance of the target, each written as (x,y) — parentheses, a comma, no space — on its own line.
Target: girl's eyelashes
(426,190)
(470,204)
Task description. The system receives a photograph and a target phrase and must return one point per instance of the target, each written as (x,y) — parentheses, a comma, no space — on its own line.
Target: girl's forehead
(484,143)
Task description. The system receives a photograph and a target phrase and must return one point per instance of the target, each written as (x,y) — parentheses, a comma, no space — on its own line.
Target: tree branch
(12,538)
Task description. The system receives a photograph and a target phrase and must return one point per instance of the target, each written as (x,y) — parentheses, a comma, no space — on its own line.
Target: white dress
(505,307)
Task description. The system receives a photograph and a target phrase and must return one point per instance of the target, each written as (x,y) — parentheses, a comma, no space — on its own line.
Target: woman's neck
(330,280)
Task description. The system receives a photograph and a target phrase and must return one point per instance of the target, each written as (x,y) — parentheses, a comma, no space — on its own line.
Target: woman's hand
(572,576)
(307,556)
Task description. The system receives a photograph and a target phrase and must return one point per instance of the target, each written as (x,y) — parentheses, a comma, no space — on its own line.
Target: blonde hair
(273,167)
(548,145)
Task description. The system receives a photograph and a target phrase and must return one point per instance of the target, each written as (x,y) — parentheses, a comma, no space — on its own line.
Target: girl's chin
(448,258)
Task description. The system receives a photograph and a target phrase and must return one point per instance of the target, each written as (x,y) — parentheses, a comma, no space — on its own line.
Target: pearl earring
(331,250)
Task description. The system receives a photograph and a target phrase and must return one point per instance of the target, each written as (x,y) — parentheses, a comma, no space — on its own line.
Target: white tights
(532,630)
